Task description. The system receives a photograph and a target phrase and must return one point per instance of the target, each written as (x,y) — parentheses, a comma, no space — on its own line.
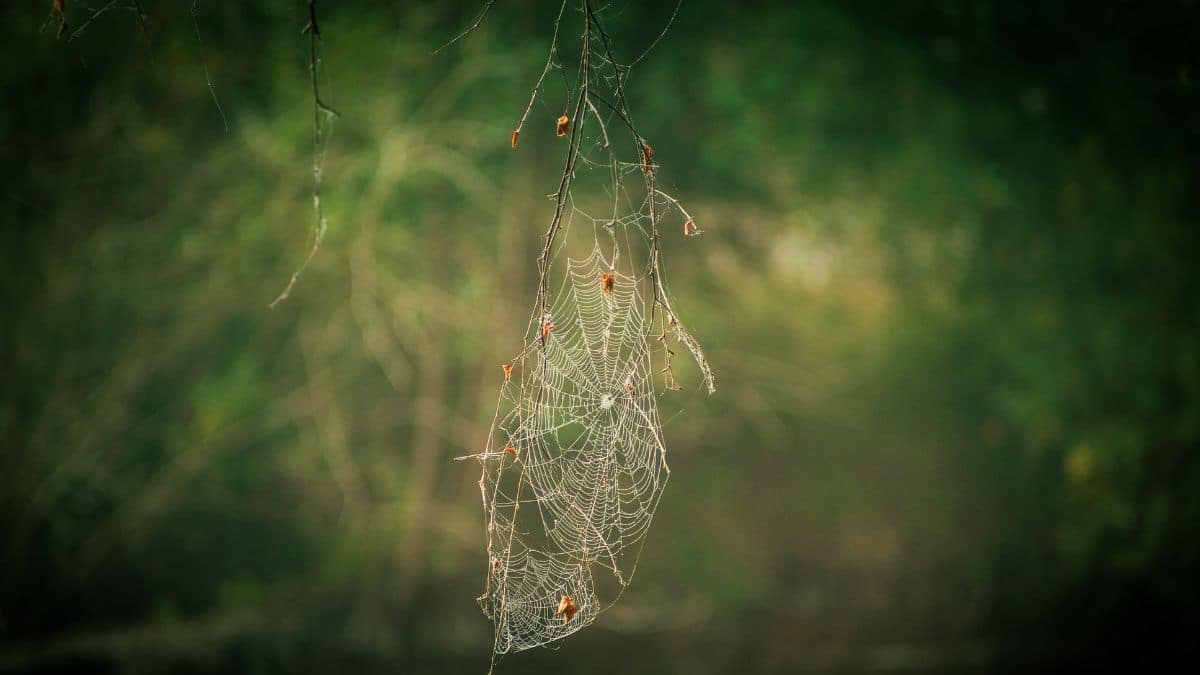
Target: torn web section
(576,466)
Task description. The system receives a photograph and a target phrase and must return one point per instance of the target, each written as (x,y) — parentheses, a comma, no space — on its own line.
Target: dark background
(948,284)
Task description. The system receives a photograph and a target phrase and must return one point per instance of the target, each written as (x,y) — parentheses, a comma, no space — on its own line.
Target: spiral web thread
(575,463)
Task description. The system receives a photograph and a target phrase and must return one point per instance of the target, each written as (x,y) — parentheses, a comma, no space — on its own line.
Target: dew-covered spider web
(579,464)
(575,462)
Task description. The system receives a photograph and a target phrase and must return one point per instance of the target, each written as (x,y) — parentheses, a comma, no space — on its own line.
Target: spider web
(587,465)
(575,463)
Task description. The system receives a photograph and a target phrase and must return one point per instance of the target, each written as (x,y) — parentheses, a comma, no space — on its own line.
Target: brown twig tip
(564,125)
(516,133)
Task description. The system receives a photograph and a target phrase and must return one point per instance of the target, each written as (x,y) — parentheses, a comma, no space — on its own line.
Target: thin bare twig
(470,29)
(95,15)
(545,69)
(675,202)
(135,7)
(314,38)
(666,28)
(323,115)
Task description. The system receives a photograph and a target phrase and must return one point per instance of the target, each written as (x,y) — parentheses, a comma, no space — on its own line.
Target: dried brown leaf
(566,608)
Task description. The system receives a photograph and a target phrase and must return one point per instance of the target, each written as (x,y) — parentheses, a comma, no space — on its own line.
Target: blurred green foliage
(948,284)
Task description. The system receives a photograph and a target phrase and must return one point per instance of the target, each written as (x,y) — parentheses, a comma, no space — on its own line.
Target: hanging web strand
(575,462)
(204,64)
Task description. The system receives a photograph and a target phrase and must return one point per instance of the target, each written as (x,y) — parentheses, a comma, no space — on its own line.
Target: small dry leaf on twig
(647,155)
(564,125)
(566,609)
(607,281)
(690,229)
(516,133)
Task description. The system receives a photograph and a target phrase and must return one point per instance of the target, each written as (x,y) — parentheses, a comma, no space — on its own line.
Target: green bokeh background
(947,282)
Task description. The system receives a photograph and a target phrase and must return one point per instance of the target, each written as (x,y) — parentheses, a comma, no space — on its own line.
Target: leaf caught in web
(566,609)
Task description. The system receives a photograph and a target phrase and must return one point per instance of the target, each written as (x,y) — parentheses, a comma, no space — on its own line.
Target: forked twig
(322,113)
